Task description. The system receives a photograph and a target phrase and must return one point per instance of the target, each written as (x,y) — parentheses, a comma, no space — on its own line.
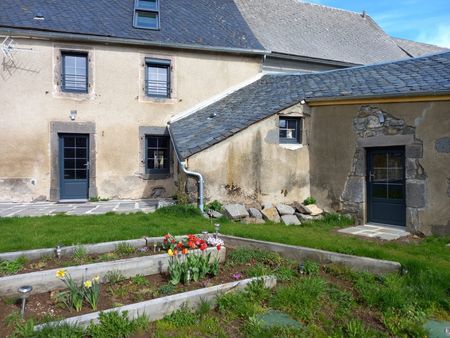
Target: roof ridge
(373,64)
(332,8)
(422,43)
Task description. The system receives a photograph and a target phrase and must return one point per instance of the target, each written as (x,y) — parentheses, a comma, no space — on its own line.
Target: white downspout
(183,166)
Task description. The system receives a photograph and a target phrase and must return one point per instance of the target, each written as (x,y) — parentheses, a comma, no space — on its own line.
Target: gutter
(411,96)
(183,166)
(73,37)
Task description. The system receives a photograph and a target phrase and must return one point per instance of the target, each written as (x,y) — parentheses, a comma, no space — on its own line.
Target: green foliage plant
(309,200)
(124,249)
(115,324)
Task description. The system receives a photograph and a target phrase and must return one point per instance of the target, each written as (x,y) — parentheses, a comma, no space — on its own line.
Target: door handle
(87,165)
(371,176)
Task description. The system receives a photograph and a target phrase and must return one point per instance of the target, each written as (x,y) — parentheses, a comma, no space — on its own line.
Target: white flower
(214,241)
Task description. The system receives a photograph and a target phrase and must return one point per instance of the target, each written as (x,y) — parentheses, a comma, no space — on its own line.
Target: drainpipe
(200,182)
(183,166)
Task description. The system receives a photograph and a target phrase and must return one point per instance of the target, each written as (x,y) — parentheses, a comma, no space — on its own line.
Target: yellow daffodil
(97,279)
(88,284)
(61,273)
(170,252)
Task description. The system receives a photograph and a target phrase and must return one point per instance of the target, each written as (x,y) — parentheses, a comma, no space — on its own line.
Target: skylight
(146,14)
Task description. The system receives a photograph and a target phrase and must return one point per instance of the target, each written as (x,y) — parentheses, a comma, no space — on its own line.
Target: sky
(420,20)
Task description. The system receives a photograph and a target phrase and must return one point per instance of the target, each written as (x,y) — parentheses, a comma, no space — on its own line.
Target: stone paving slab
(387,233)
(89,208)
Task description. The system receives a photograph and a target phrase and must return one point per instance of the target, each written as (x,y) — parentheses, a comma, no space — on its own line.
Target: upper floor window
(157,160)
(146,14)
(157,78)
(291,130)
(74,72)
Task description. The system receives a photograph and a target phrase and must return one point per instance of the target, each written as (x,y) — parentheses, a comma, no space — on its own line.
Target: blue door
(386,185)
(74,166)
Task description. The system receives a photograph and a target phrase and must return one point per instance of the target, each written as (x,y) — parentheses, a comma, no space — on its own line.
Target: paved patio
(388,233)
(8,209)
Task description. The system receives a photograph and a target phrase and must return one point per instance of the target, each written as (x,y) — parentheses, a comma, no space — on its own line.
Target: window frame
(163,171)
(138,9)
(299,130)
(159,63)
(65,53)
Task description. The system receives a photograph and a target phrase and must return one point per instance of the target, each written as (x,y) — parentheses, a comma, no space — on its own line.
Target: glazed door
(74,166)
(386,185)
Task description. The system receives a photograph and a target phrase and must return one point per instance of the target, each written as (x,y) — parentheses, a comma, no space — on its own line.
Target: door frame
(369,200)
(57,128)
(61,159)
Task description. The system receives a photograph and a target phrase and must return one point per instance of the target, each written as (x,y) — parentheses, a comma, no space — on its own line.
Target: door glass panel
(81,142)
(69,153)
(395,191)
(395,175)
(379,190)
(69,164)
(380,175)
(379,161)
(81,153)
(81,174)
(69,141)
(69,174)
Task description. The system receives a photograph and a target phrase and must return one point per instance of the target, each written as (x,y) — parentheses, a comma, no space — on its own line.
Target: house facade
(129,105)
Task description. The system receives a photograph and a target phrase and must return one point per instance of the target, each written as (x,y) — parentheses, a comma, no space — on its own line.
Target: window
(290,130)
(157,159)
(146,14)
(74,72)
(157,78)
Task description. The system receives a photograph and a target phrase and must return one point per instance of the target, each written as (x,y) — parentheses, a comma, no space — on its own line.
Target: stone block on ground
(214,214)
(304,217)
(235,211)
(252,220)
(255,213)
(313,210)
(267,205)
(300,208)
(271,215)
(285,209)
(290,220)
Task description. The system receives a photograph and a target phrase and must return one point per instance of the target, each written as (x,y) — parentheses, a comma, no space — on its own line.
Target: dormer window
(146,14)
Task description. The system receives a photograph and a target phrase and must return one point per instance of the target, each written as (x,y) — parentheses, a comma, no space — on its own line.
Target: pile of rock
(293,214)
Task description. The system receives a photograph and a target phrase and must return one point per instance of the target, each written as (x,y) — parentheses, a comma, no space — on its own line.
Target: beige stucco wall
(333,145)
(252,166)
(30,100)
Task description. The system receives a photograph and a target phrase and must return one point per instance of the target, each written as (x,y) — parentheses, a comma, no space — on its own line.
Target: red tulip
(219,247)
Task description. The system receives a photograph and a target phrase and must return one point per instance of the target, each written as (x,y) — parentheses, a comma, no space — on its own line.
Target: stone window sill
(161,100)
(290,146)
(156,176)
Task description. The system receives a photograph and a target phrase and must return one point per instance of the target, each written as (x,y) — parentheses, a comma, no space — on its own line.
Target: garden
(199,286)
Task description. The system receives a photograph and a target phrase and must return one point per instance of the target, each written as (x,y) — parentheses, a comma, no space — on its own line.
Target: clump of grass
(301,298)
(182,317)
(114,277)
(179,210)
(124,249)
(258,270)
(115,324)
(80,254)
(310,268)
(246,255)
(140,280)
(12,267)
(166,289)
(214,205)
(284,273)
(238,305)
(309,200)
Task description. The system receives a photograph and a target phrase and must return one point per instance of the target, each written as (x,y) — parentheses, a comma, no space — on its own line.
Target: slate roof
(300,28)
(273,93)
(216,23)
(415,48)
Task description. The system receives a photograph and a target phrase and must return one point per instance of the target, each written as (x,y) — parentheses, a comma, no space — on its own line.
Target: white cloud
(439,36)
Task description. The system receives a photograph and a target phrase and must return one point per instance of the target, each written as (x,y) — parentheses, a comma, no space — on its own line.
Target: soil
(48,263)
(43,306)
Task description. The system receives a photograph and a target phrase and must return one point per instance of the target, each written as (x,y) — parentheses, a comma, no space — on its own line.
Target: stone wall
(339,139)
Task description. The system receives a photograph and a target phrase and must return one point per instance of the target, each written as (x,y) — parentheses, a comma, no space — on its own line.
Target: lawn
(398,301)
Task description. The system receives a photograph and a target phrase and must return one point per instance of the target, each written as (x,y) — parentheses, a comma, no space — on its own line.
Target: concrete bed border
(158,308)
(97,248)
(44,281)
(299,253)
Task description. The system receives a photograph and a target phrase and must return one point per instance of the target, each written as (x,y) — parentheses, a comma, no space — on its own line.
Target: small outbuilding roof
(213,23)
(310,30)
(415,48)
(428,75)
